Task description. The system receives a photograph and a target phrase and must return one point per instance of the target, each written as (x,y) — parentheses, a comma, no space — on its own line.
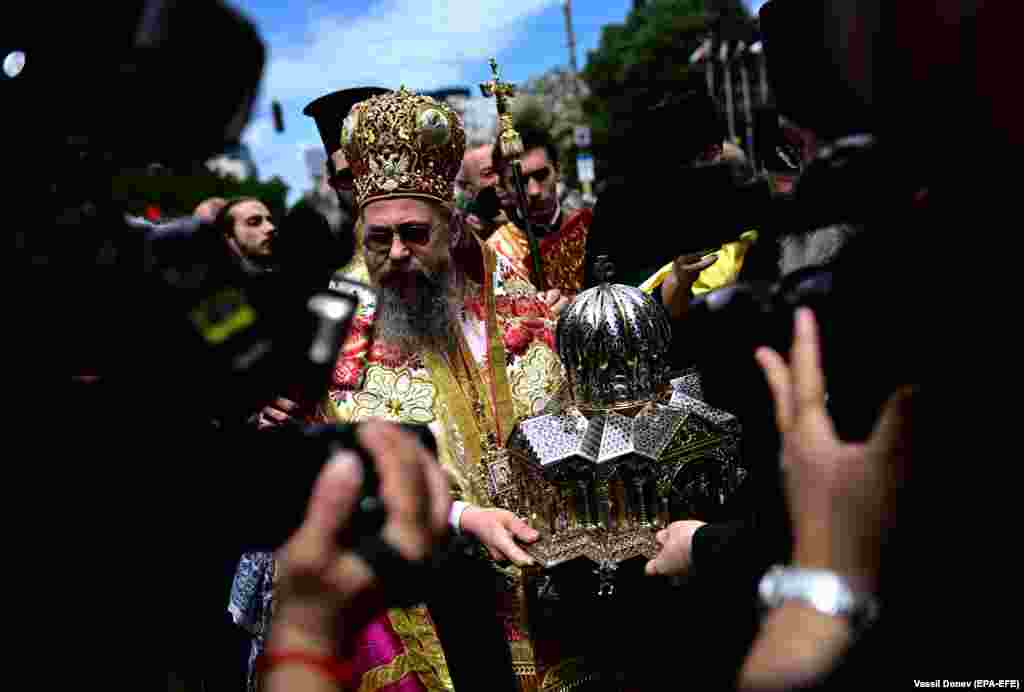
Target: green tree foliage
(554,102)
(177,194)
(645,58)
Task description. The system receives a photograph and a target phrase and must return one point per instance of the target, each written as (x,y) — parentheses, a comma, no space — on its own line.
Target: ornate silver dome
(613,341)
(608,464)
(601,485)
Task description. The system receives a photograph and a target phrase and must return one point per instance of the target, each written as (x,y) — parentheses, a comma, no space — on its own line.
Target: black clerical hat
(329,112)
(806,73)
(683,122)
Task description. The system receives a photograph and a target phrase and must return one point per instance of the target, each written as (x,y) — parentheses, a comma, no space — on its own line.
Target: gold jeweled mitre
(626,450)
(403,144)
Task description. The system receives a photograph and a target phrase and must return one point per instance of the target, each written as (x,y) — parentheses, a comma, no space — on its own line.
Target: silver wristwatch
(825,591)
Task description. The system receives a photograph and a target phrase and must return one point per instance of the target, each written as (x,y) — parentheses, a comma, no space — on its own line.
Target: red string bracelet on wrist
(341,672)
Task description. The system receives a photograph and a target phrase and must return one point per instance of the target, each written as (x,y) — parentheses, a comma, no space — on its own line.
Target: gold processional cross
(511,150)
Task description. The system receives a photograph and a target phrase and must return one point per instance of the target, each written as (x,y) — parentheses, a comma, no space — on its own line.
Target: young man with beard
(561,232)
(453,337)
(249,232)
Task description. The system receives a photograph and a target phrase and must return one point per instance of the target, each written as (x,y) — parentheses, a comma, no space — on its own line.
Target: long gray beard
(814,249)
(415,325)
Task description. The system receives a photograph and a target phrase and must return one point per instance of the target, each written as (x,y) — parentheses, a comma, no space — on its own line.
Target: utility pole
(567,8)
(584,160)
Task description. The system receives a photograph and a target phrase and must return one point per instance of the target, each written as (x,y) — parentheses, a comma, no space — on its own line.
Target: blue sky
(316,47)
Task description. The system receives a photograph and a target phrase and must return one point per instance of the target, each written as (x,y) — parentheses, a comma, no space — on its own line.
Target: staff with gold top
(511,150)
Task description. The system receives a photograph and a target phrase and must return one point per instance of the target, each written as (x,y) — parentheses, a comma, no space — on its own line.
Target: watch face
(825,591)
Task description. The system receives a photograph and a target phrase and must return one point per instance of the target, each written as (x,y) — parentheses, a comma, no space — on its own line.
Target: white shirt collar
(558,210)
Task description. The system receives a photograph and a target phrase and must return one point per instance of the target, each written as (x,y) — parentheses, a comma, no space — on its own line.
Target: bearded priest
(452,336)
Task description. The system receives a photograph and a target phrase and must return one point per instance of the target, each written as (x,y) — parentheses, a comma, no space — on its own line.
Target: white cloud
(257,135)
(278,154)
(423,44)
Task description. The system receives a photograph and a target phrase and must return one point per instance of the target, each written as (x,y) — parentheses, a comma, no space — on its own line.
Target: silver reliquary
(625,449)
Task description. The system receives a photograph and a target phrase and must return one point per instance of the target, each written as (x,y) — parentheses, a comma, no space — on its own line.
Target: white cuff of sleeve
(455,515)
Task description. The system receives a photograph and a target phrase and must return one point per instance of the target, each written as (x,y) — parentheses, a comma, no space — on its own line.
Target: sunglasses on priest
(380,238)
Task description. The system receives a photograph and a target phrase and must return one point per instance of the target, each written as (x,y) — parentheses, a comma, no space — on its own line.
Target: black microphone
(486,204)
